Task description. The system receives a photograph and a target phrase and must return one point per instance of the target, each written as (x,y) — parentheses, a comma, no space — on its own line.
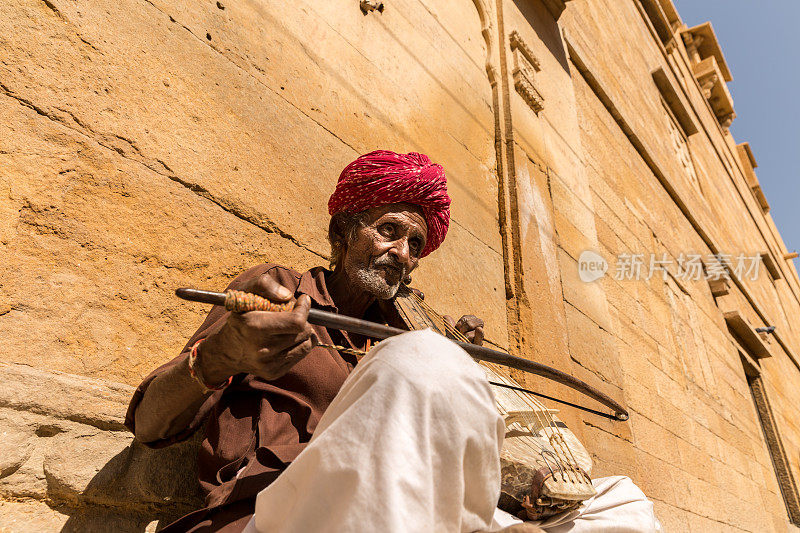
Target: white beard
(370,280)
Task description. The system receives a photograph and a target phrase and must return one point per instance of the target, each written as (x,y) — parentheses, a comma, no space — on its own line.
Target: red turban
(384,177)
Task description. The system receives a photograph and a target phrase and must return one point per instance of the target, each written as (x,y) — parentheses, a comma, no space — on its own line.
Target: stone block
(634,361)
(574,218)
(90,288)
(671,365)
(694,461)
(657,317)
(701,523)
(609,451)
(589,298)
(82,473)
(621,430)
(91,401)
(592,347)
(654,476)
(646,435)
(623,296)
(570,238)
(672,518)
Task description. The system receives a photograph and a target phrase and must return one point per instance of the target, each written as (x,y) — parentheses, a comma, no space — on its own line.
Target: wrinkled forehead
(413,214)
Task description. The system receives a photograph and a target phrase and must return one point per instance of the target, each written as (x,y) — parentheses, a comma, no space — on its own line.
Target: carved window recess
(772,436)
(680,124)
(681,147)
(719,287)
(526,65)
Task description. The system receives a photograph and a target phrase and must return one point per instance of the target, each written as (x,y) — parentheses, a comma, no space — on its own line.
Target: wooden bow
(379,331)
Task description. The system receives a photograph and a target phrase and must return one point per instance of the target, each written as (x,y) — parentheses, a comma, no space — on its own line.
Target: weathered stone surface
(30,516)
(71,465)
(147,145)
(109,251)
(135,201)
(64,396)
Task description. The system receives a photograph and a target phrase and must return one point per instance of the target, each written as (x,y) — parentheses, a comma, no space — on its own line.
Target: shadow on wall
(68,464)
(544,26)
(139,489)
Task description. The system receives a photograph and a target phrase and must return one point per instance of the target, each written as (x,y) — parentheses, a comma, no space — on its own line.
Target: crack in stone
(161,168)
(12,469)
(266,225)
(260,82)
(67,503)
(54,9)
(595,372)
(166,171)
(604,430)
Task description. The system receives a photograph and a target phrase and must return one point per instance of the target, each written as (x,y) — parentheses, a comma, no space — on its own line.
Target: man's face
(385,249)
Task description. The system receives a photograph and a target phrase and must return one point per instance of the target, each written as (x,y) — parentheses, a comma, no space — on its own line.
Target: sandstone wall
(681,370)
(151,145)
(147,145)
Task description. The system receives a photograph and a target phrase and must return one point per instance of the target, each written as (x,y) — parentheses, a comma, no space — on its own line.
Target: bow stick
(242,302)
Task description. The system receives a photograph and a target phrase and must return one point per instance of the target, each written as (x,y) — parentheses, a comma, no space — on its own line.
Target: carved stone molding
(711,70)
(518,44)
(780,461)
(748,165)
(526,65)
(484,15)
(707,83)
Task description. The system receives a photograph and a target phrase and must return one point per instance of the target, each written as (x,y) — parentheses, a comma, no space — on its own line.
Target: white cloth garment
(618,507)
(410,444)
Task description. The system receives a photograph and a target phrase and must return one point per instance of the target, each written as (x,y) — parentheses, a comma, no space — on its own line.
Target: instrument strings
(532,406)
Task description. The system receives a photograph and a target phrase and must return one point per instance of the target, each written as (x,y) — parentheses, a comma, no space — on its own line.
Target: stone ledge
(68,464)
(64,396)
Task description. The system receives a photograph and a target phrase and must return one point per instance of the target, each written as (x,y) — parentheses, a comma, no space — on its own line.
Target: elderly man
(407,439)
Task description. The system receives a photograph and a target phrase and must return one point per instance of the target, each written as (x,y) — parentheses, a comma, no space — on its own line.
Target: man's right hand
(262,343)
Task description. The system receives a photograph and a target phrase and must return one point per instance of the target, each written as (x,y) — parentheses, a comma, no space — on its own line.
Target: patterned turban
(384,177)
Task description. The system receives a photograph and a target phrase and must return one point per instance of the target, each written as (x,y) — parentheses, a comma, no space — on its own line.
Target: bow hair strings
(543,417)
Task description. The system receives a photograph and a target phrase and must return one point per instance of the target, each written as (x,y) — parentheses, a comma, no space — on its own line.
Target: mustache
(389,262)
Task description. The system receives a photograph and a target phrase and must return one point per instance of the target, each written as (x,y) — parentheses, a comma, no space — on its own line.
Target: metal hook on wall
(371,5)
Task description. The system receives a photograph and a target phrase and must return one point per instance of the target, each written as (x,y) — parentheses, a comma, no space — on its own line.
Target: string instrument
(545,469)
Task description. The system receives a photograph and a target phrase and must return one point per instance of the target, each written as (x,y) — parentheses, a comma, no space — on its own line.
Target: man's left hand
(470,325)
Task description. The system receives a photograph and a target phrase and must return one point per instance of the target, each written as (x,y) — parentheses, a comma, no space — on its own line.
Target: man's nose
(401,251)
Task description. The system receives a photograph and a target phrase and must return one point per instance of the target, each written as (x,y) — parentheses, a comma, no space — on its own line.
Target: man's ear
(337,236)
(336,231)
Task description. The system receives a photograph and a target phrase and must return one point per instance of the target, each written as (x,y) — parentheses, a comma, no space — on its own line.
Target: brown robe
(255,428)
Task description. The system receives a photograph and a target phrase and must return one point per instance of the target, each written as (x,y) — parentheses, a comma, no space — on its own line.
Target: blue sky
(761,43)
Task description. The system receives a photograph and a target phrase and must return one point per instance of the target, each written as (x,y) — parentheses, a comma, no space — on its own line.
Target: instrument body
(544,468)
